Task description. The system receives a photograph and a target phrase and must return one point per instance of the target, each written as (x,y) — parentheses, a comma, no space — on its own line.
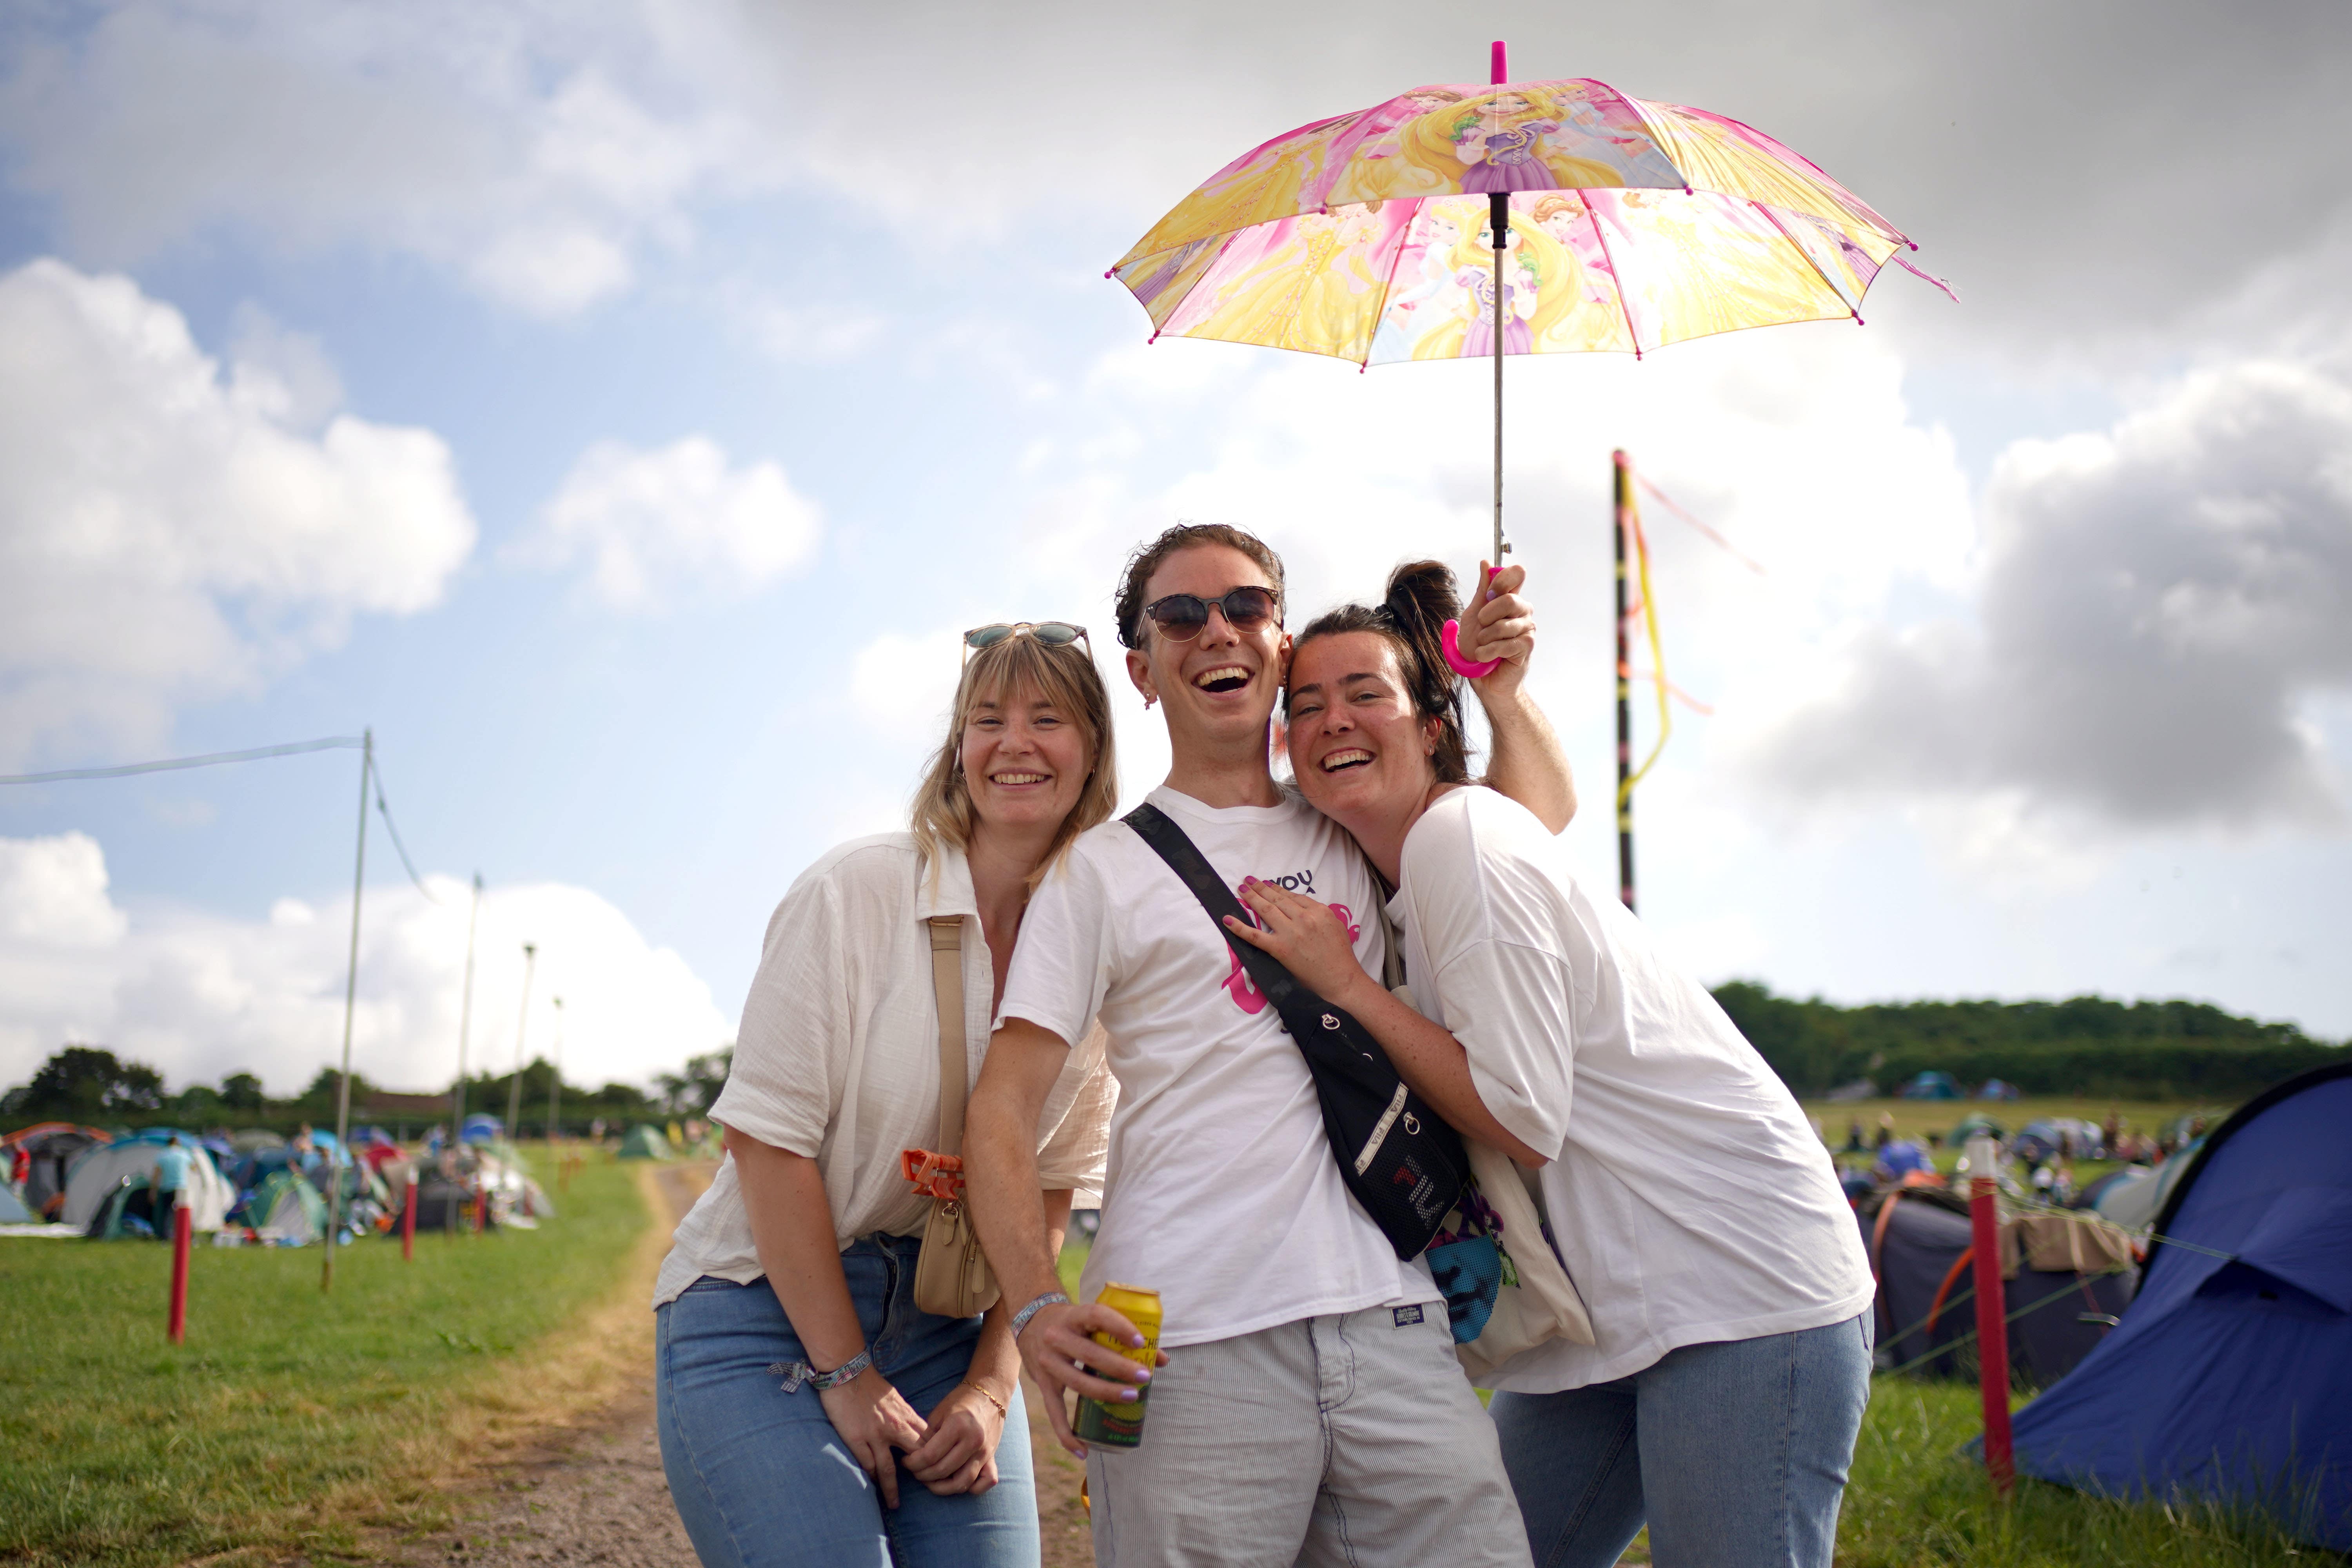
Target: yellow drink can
(1120,1425)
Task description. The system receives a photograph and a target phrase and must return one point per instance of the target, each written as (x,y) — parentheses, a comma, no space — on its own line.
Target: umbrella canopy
(1633,223)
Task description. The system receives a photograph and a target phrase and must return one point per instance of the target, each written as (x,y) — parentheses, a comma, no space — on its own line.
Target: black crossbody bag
(1399,1158)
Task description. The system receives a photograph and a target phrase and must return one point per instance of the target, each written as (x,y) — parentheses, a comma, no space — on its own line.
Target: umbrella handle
(1450,639)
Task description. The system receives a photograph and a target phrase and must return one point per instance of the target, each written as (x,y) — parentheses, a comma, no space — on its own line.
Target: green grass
(118,1447)
(1913,1500)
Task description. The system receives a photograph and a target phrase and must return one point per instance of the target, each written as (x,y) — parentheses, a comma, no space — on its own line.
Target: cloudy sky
(622,407)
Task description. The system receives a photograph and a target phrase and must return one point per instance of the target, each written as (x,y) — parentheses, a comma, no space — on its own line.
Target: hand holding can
(1120,1425)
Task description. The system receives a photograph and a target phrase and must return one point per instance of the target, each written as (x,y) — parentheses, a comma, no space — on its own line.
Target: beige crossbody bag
(951,1274)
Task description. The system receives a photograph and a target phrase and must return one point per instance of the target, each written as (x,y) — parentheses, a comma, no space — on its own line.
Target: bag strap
(1294,1002)
(947,987)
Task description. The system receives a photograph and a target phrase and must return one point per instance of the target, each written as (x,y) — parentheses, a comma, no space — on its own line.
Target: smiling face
(1358,747)
(1025,759)
(1220,687)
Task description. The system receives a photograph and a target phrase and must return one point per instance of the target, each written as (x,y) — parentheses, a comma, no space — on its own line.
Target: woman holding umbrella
(1692,1204)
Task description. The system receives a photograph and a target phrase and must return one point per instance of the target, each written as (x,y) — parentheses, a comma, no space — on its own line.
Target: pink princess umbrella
(1628,224)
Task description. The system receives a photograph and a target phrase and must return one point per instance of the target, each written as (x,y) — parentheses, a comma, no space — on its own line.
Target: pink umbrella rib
(1775,217)
(1388,285)
(1616,279)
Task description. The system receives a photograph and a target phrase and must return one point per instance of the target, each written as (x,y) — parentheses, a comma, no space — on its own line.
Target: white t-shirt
(1690,1200)
(838,1057)
(1223,1192)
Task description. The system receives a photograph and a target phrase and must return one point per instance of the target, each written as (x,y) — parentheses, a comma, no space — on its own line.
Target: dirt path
(595,1493)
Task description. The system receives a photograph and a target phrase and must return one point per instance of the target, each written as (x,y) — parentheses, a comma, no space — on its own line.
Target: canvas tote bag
(951,1273)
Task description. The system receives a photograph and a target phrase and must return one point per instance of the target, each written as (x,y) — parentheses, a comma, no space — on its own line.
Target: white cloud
(53,893)
(901,685)
(198,995)
(2158,604)
(525,148)
(168,533)
(644,524)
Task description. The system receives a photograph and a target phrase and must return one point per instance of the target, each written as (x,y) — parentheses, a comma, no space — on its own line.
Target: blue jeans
(761,1479)
(1734,1454)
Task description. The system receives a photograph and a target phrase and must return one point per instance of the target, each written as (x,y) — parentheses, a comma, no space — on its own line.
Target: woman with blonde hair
(810,1411)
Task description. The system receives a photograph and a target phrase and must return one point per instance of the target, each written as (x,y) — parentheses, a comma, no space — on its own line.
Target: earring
(1148,701)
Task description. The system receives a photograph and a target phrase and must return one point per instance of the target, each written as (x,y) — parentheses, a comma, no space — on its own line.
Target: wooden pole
(183,1226)
(350,1001)
(464,1018)
(514,1088)
(1992,1326)
(1624,502)
(555,1080)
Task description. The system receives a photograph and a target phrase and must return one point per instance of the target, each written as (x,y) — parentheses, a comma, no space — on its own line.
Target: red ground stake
(408,1222)
(1992,1330)
(183,1232)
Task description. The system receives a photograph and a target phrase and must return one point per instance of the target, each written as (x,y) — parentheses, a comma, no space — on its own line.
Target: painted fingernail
(1127,1394)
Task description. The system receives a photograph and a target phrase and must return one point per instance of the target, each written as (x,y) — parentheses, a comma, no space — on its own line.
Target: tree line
(90,1084)
(2083,1045)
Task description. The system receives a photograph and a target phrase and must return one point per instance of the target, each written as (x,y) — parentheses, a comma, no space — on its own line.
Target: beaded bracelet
(1003,1411)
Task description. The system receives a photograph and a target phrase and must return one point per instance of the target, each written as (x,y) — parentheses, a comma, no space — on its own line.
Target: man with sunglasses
(1311,1409)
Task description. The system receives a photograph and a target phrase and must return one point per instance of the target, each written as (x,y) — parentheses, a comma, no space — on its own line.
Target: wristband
(1021,1319)
(796,1373)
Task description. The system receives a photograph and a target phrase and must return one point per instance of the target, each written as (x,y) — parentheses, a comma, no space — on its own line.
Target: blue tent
(2231,1376)
(483,1129)
(1930,1085)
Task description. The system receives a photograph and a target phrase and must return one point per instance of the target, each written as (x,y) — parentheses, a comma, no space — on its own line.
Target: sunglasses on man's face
(1050,634)
(1181,617)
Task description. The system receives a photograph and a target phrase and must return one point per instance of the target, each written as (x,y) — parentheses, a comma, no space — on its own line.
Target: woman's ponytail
(1421,599)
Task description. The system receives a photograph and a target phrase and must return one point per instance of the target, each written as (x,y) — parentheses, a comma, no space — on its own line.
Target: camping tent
(51,1148)
(644,1142)
(1918,1238)
(2134,1202)
(482,1130)
(1930,1085)
(2231,1377)
(99,1171)
(287,1203)
(13,1210)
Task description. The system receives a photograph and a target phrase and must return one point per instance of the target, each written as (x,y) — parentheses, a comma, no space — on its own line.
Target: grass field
(289,1419)
(1913,1500)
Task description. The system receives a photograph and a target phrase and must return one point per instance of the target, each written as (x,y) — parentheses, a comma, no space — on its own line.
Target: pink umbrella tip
(1619,458)
(1499,59)
(1110,271)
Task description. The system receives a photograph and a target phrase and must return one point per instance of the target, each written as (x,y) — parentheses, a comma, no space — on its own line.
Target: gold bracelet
(1003,1412)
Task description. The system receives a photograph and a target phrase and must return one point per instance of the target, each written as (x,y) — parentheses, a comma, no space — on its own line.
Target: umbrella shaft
(1499,220)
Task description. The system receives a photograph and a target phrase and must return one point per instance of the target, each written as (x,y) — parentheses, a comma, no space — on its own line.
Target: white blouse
(837,1057)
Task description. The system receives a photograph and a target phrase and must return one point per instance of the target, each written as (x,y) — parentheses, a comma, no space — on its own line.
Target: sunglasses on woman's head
(1181,617)
(1050,634)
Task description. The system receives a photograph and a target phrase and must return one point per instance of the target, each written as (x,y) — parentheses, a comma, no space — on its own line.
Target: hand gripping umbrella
(1623,226)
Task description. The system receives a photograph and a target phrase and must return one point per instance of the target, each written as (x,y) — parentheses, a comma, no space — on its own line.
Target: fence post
(1992,1327)
(184,1226)
(408,1220)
